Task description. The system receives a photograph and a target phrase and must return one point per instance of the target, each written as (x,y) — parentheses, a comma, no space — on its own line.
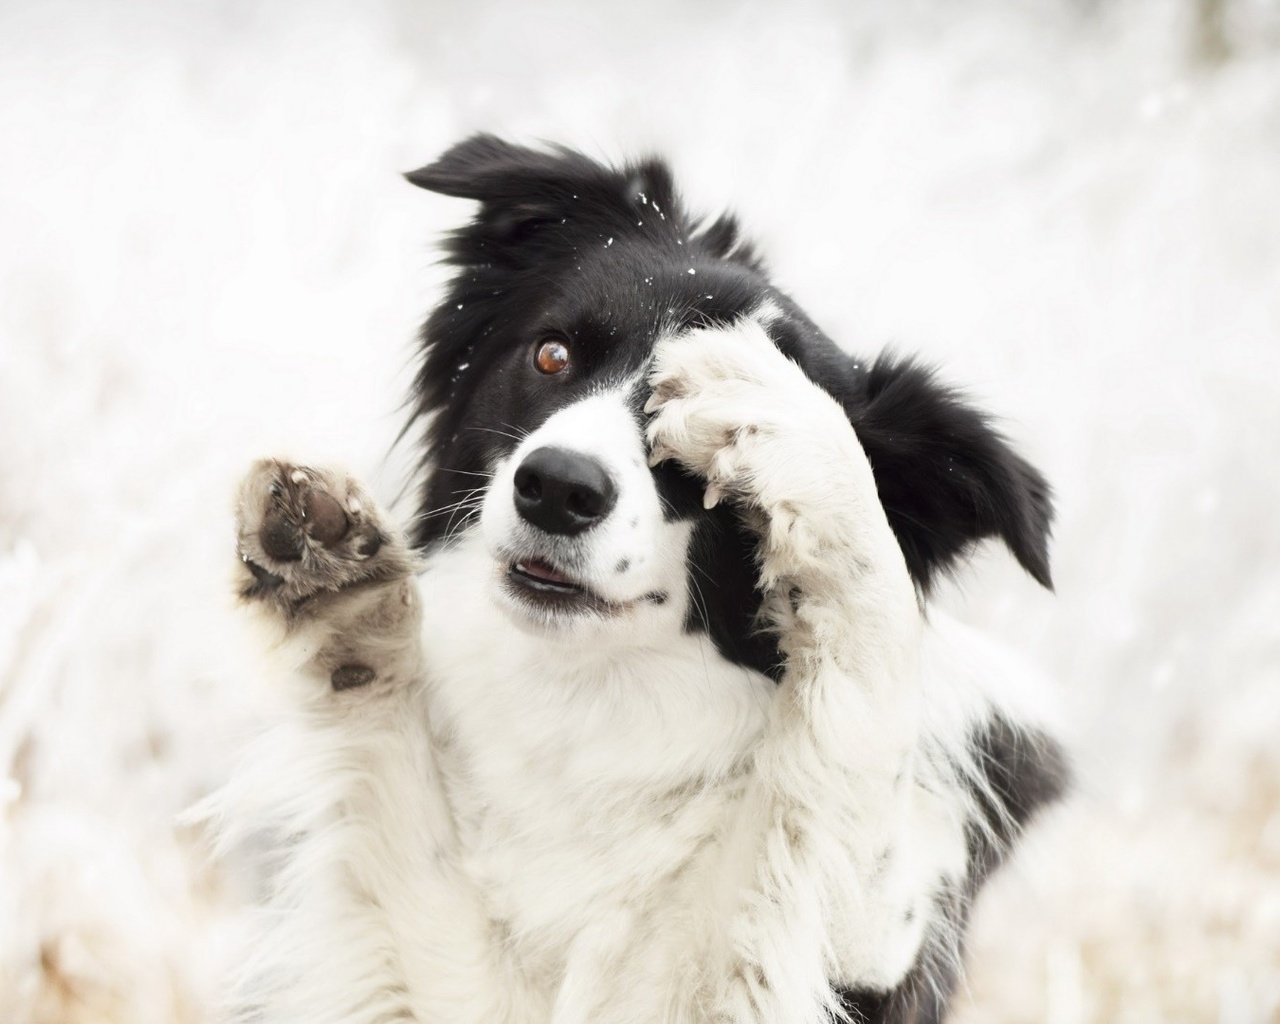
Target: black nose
(563,492)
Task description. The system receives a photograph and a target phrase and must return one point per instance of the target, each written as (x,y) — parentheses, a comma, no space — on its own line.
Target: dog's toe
(264,577)
(279,538)
(326,522)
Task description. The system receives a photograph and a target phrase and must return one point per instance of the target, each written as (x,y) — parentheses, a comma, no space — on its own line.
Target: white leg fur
(829,808)
(346,782)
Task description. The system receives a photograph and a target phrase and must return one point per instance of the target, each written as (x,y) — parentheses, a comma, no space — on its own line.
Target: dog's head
(532,385)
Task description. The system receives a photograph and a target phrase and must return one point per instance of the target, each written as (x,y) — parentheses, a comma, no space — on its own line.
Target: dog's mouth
(544,588)
(543,577)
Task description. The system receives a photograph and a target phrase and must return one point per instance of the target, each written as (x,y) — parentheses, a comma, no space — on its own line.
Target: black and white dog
(645,721)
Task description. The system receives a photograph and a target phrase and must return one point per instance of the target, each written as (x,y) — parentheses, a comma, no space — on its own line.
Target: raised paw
(731,408)
(302,532)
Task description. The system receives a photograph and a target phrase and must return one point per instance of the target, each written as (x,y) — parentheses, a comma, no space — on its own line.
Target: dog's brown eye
(551,356)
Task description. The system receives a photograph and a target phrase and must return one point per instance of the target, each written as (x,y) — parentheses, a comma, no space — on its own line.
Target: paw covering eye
(551,356)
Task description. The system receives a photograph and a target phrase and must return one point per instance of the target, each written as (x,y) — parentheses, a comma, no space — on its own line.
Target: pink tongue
(545,572)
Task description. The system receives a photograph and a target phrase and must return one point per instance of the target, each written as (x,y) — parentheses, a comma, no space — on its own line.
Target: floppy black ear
(946,477)
(535,202)
(491,169)
(464,168)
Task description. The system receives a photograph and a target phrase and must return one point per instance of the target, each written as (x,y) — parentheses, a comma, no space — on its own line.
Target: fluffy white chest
(527,831)
(577,779)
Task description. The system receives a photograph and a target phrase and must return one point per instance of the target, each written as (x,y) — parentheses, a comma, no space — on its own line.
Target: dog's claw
(654,403)
(659,454)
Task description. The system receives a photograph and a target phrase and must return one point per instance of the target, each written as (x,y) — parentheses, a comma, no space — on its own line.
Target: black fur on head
(602,255)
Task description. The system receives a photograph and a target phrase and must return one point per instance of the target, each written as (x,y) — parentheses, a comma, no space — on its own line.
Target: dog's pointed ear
(482,167)
(458,171)
(946,477)
(535,203)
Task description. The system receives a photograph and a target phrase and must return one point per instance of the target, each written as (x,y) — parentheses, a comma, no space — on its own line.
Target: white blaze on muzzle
(577,495)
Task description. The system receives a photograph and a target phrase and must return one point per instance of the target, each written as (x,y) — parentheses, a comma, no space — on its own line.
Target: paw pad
(279,539)
(303,530)
(349,677)
(326,523)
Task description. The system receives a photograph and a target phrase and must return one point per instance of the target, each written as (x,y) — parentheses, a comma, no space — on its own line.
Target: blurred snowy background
(206,252)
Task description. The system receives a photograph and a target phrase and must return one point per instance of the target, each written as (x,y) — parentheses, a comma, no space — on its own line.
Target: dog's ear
(534,202)
(491,169)
(946,477)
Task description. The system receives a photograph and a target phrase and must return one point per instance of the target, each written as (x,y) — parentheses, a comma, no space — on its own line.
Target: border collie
(645,718)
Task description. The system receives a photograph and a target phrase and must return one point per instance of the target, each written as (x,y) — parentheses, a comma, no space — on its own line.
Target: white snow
(209,255)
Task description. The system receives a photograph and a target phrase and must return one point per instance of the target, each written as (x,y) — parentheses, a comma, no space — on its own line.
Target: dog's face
(533,379)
